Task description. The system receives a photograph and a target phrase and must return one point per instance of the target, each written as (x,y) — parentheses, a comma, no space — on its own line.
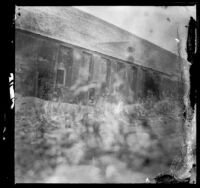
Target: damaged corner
(187,173)
(190,105)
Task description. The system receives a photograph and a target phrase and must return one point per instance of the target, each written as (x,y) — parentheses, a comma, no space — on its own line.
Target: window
(60,80)
(103,69)
(84,77)
(91,95)
(113,70)
(65,62)
(122,87)
(100,75)
(121,69)
(151,86)
(106,70)
(84,70)
(132,76)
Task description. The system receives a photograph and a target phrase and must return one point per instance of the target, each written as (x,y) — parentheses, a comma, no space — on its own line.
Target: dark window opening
(108,73)
(105,76)
(65,60)
(113,71)
(121,69)
(132,76)
(151,87)
(91,96)
(86,67)
(45,84)
(60,77)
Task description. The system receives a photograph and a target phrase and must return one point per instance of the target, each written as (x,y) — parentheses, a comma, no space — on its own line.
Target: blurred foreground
(105,143)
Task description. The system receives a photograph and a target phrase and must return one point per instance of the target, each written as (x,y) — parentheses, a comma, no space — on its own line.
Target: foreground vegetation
(107,142)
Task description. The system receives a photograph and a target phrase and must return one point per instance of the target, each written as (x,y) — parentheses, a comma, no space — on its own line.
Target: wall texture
(38,58)
(149,69)
(97,35)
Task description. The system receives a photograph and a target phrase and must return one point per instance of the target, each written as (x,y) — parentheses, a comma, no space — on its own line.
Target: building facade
(64,53)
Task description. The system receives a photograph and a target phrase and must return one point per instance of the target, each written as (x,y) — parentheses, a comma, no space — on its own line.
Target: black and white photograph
(104,94)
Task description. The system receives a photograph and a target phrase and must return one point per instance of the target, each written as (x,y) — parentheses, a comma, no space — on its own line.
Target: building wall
(88,75)
(97,35)
(25,63)
(154,69)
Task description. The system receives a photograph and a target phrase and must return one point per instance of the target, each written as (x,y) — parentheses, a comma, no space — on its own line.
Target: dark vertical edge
(196,69)
(55,66)
(91,74)
(12,111)
(108,74)
(7,114)
(85,94)
(71,51)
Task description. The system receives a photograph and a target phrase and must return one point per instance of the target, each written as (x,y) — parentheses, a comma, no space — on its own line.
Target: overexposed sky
(158,24)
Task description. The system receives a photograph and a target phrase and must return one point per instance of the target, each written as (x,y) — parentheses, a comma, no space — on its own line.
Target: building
(62,52)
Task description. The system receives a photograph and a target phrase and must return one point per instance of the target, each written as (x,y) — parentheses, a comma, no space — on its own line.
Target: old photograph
(102,94)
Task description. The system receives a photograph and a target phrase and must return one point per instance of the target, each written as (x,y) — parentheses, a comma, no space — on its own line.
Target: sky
(157,24)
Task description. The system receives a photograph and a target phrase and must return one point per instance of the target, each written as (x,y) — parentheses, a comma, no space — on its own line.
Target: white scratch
(147,180)
(12,97)
(177,40)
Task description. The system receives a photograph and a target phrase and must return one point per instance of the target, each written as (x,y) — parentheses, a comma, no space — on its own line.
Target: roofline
(119,28)
(128,32)
(130,37)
